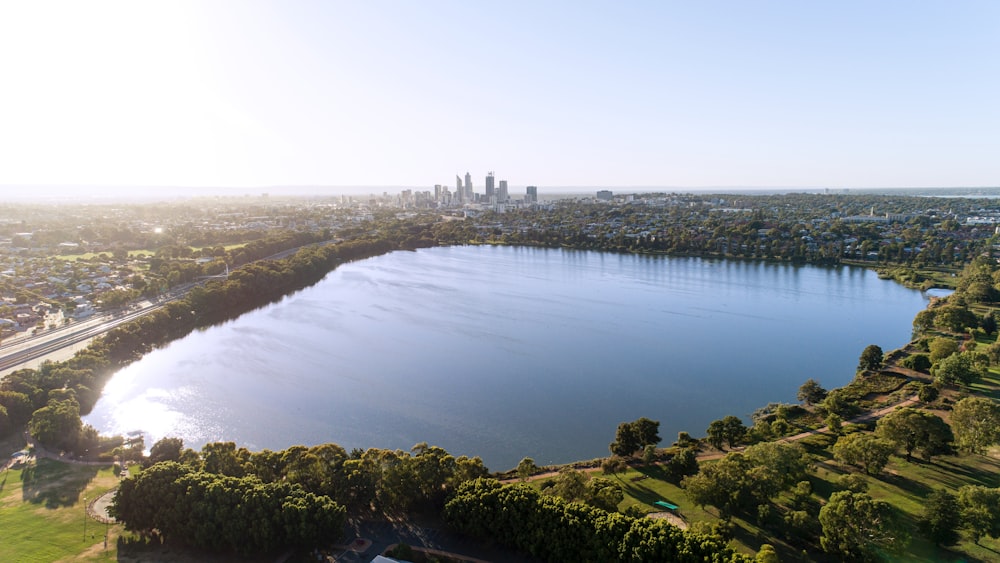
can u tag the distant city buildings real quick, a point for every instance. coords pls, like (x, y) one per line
(496, 198)
(605, 195)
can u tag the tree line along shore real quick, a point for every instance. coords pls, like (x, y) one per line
(760, 487)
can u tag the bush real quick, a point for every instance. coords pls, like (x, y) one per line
(928, 393)
(917, 362)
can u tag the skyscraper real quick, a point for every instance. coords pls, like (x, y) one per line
(502, 197)
(468, 187)
(459, 192)
(532, 195)
(489, 187)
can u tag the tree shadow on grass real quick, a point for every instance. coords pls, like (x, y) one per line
(985, 477)
(55, 485)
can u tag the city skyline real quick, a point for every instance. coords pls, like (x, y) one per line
(671, 95)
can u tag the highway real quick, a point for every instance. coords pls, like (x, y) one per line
(23, 350)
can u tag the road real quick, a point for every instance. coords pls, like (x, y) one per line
(20, 352)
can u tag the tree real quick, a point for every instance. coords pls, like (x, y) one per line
(954, 318)
(741, 481)
(928, 393)
(989, 323)
(859, 528)
(978, 506)
(811, 392)
(634, 436)
(626, 441)
(767, 554)
(941, 518)
(835, 423)
(916, 362)
(648, 431)
(604, 493)
(871, 358)
(864, 450)
(965, 368)
(525, 468)
(57, 425)
(910, 429)
(942, 347)
(166, 449)
(976, 424)
(730, 429)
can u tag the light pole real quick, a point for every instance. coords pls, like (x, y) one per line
(84, 519)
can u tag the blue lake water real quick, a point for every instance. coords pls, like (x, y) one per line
(510, 352)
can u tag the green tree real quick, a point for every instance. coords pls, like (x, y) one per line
(859, 528)
(166, 449)
(835, 423)
(941, 517)
(954, 318)
(928, 393)
(978, 506)
(811, 392)
(965, 368)
(916, 362)
(864, 450)
(910, 429)
(767, 554)
(634, 436)
(57, 425)
(730, 429)
(976, 424)
(526, 468)
(988, 323)
(871, 358)
(626, 440)
(604, 493)
(942, 347)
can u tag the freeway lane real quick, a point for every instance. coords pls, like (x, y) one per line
(17, 353)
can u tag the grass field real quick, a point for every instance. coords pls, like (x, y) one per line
(42, 513)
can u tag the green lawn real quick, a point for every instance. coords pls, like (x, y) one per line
(42, 513)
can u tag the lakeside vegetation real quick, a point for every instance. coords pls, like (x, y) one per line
(738, 496)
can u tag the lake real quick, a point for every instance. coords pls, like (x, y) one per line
(507, 352)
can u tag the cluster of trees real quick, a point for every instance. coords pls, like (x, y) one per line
(973, 509)
(727, 430)
(554, 530)
(574, 486)
(219, 512)
(634, 436)
(860, 528)
(905, 429)
(361, 480)
(742, 481)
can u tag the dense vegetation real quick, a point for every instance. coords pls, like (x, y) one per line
(219, 512)
(554, 530)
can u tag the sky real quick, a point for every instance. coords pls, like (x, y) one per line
(249, 93)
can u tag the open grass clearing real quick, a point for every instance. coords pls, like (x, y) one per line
(43, 512)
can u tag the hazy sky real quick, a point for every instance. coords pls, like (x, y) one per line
(410, 93)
